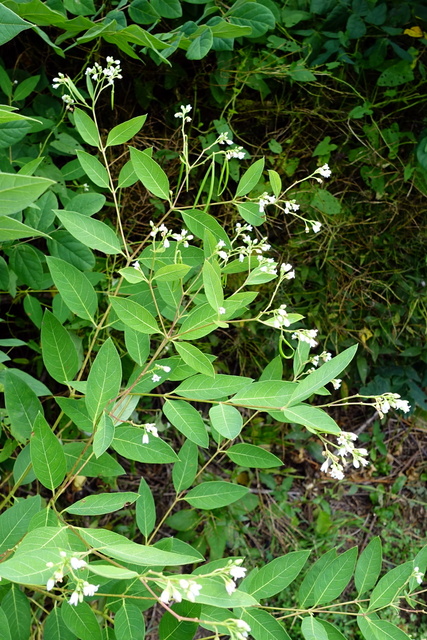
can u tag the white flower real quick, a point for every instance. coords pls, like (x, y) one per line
(324, 171)
(170, 593)
(230, 586)
(223, 255)
(191, 589)
(291, 206)
(237, 572)
(165, 369)
(418, 575)
(221, 311)
(166, 243)
(155, 378)
(237, 152)
(326, 356)
(67, 99)
(316, 226)
(151, 428)
(136, 265)
(74, 599)
(306, 335)
(145, 438)
(89, 589)
(50, 584)
(390, 400)
(337, 471)
(220, 244)
(336, 383)
(77, 563)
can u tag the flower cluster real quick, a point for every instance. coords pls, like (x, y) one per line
(224, 139)
(418, 575)
(325, 356)
(237, 152)
(165, 233)
(177, 590)
(388, 401)
(109, 73)
(287, 271)
(82, 588)
(238, 629)
(334, 464)
(265, 200)
(183, 113)
(281, 317)
(233, 571)
(149, 427)
(290, 206)
(324, 171)
(306, 335)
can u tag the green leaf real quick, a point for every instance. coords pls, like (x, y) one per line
(105, 466)
(331, 630)
(18, 191)
(129, 622)
(275, 182)
(396, 74)
(187, 420)
(128, 443)
(215, 494)
(14, 521)
(11, 25)
(94, 170)
(81, 620)
(199, 323)
(63, 245)
(250, 178)
(312, 629)
(212, 284)
(171, 272)
(325, 202)
(90, 232)
(201, 45)
(4, 627)
(118, 547)
(134, 315)
(254, 15)
(74, 287)
(185, 469)
(105, 376)
(390, 586)
(322, 376)
(269, 394)
(55, 628)
(86, 127)
(104, 435)
(249, 455)
(214, 593)
(195, 358)
(125, 131)
(47, 455)
(335, 577)
(15, 604)
(150, 173)
(26, 262)
(145, 509)
(138, 345)
(171, 628)
(11, 229)
(22, 406)
(306, 590)
(368, 566)
(199, 222)
(167, 8)
(227, 420)
(263, 625)
(250, 212)
(275, 576)
(58, 349)
(312, 418)
(101, 503)
(202, 387)
(383, 630)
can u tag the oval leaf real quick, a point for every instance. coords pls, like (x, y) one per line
(249, 455)
(215, 494)
(102, 503)
(90, 232)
